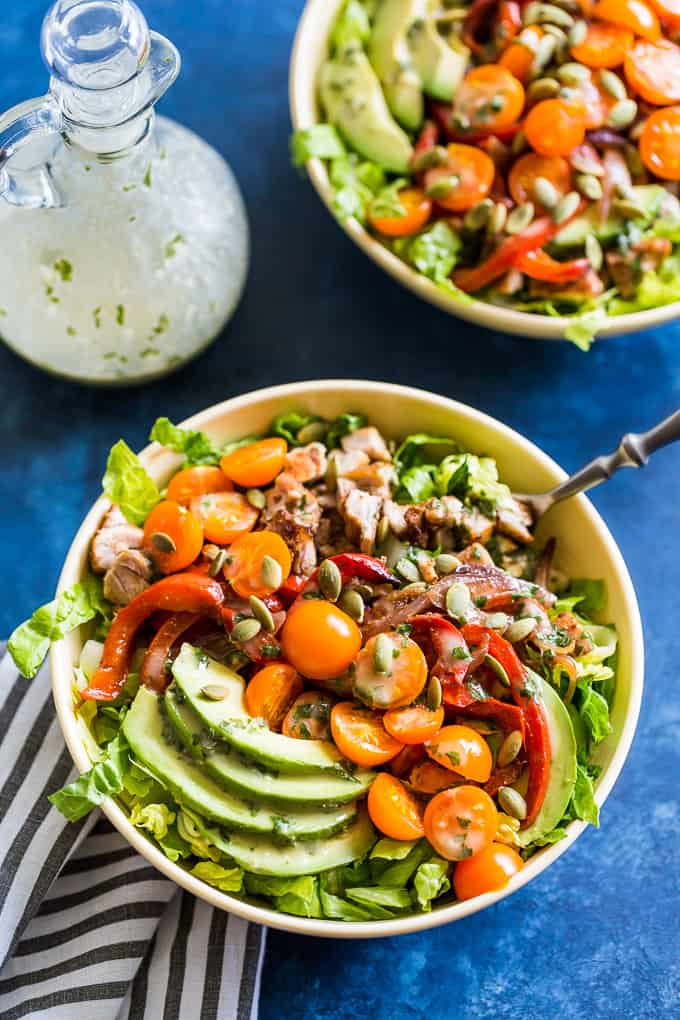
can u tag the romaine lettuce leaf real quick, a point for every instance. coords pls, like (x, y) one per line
(224, 879)
(195, 445)
(392, 849)
(289, 424)
(338, 909)
(320, 141)
(127, 483)
(355, 183)
(583, 329)
(380, 896)
(589, 594)
(431, 880)
(342, 426)
(583, 799)
(417, 484)
(434, 252)
(105, 779)
(299, 896)
(421, 448)
(155, 818)
(594, 712)
(400, 873)
(656, 288)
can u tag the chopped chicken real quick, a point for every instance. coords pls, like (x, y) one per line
(369, 441)
(294, 513)
(128, 576)
(515, 521)
(361, 512)
(475, 526)
(476, 553)
(115, 535)
(377, 478)
(341, 463)
(307, 463)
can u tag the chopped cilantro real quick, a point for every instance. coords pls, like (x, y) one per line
(460, 653)
(97, 316)
(453, 757)
(463, 822)
(147, 177)
(480, 601)
(70, 330)
(171, 246)
(404, 628)
(65, 270)
(120, 315)
(270, 651)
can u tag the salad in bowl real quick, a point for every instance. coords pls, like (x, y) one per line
(526, 155)
(331, 672)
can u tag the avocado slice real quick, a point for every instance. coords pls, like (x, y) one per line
(562, 765)
(647, 196)
(193, 671)
(144, 728)
(353, 100)
(391, 59)
(261, 856)
(234, 773)
(440, 65)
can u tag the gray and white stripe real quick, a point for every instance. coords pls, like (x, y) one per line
(83, 918)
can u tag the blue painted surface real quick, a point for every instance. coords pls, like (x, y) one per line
(596, 936)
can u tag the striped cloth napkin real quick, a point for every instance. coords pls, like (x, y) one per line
(84, 920)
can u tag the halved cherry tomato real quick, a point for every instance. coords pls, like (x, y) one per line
(194, 481)
(272, 691)
(413, 724)
(243, 567)
(460, 822)
(474, 171)
(595, 101)
(417, 209)
(633, 14)
(605, 45)
(653, 71)
(527, 168)
(490, 99)
(660, 143)
(488, 871)
(170, 521)
(538, 265)
(309, 717)
(319, 639)
(393, 809)
(404, 680)
(518, 58)
(667, 10)
(225, 515)
(409, 756)
(555, 126)
(462, 750)
(360, 736)
(426, 777)
(256, 464)
(508, 22)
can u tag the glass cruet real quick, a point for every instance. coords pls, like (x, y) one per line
(124, 238)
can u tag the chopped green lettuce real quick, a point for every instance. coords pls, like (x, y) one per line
(337, 909)
(656, 288)
(173, 846)
(472, 478)
(417, 484)
(435, 251)
(342, 426)
(155, 818)
(195, 445)
(392, 849)
(400, 873)
(224, 879)
(380, 896)
(289, 424)
(356, 182)
(583, 799)
(386, 204)
(321, 141)
(589, 594)
(105, 779)
(299, 896)
(127, 483)
(431, 880)
(419, 448)
(594, 712)
(196, 832)
(583, 329)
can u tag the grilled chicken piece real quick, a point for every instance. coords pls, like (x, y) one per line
(294, 513)
(377, 478)
(340, 463)
(115, 535)
(515, 521)
(476, 554)
(127, 577)
(369, 441)
(361, 513)
(307, 463)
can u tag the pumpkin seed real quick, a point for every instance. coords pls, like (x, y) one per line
(612, 84)
(408, 570)
(433, 698)
(443, 187)
(577, 33)
(528, 40)
(594, 252)
(477, 217)
(558, 34)
(512, 802)
(331, 477)
(636, 131)
(631, 155)
(262, 614)
(497, 218)
(215, 692)
(573, 73)
(217, 563)
(546, 193)
(245, 630)
(330, 580)
(382, 654)
(458, 600)
(364, 590)
(552, 15)
(445, 563)
(509, 749)
(430, 158)
(543, 88)
(623, 113)
(256, 498)
(520, 218)
(498, 669)
(566, 207)
(519, 144)
(312, 432)
(352, 603)
(382, 531)
(460, 122)
(497, 621)
(271, 573)
(163, 542)
(584, 163)
(519, 630)
(589, 186)
(545, 51)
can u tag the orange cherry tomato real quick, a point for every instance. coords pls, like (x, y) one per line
(360, 736)
(410, 755)
(256, 464)
(490, 98)
(393, 809)
(426, 777)
(488, 871)
(518, 58)
(402, 683)
(309, 717)
(460, 822)
(653, 71)
(605, 45)
(595, 101)
(271, 692)
(243, 568)
(660, 143)
(463, 750)
(667, 10)
(194, 481)
(319, 639)
(417, 209)
(413, 724)
(169, 520)
(474, 171)
(633, 14)
(555, 126)
(527, 168)
(225, 515)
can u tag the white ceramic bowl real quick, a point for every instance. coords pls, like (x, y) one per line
(309, 52)
(585, 546)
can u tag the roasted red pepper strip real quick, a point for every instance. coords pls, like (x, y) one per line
(291, 588)
(152, 673)
(367, 568)
(536, 235)
(540, 266)
(508, 23)
(447, 656)
(180, 593)
(537, 740)
(509, 717)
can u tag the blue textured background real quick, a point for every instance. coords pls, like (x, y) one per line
(597, 936)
